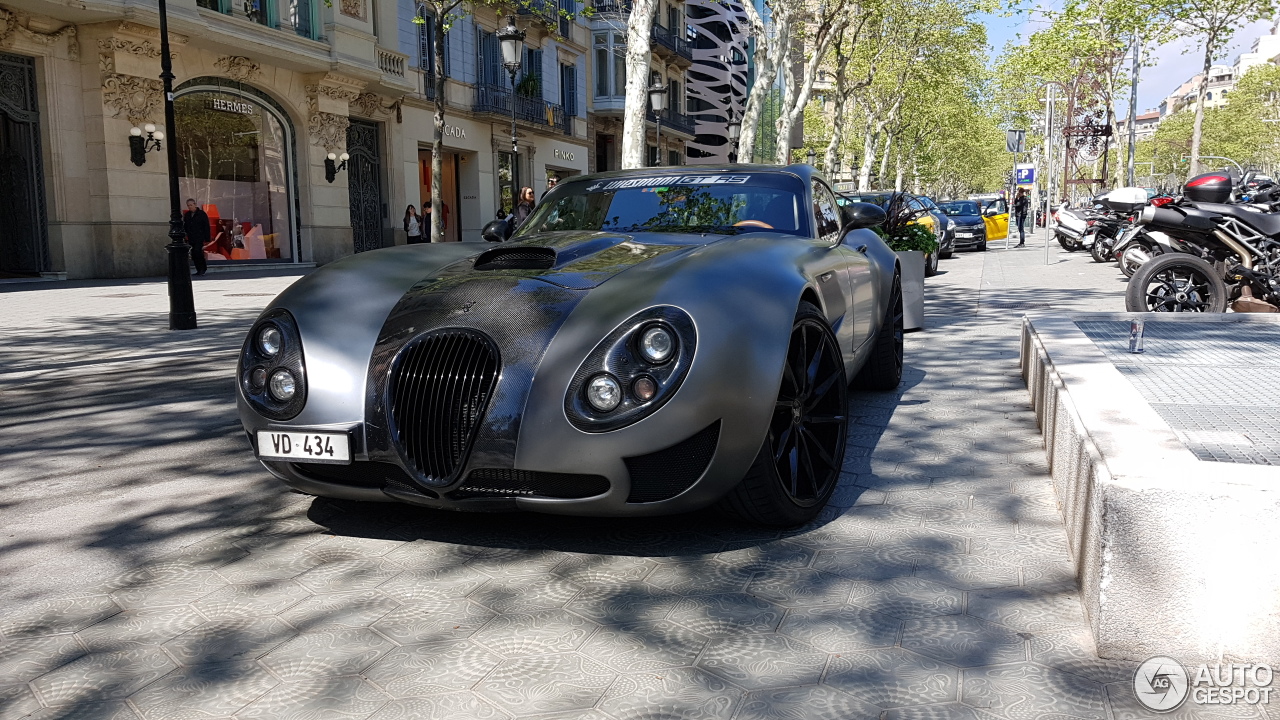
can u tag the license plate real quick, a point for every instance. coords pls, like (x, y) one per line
(295, 445)
(964, 234)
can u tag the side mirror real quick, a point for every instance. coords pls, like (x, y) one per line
(990, 212)
(862, 215)
(496, 231)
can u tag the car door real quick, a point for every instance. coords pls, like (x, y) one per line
(851, 272)
(997, 224)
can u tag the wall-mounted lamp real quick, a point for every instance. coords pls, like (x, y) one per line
(139, 146)
(331, 169)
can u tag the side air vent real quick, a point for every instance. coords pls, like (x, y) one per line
(666, 473)
(440, 387)
(525, 483)
(516, 258)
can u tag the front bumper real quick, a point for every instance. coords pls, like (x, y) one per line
(970, 239)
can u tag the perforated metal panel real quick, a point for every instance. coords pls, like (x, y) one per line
(1217, 385)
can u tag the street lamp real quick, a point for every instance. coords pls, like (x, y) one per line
(735, 132)
(182, 304)
(658, 99)
(835, 169)
(512, 41)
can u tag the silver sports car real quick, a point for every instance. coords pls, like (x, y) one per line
(649, 342)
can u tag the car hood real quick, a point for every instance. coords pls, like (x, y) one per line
(575, 260)
(966, 219)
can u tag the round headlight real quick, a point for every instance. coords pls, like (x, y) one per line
(270, 340)
(951, 224)
(258, 377)
(282, 385)
(604, 393)
(644, 388)
(657, 344)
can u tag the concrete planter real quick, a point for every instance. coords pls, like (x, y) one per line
(912, 262)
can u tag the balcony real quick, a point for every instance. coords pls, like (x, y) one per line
(533, 111)
(675, 122)
(612, 7)
(288, 15)
(546, 10)
(671, 41)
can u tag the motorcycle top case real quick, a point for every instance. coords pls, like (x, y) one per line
(1124, 200)
(1214, 187)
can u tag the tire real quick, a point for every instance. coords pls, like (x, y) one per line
(1176, 282)
(931, 265)
(1098, 252)
(883, 369)
(946, 255)
(1068, 244)
(982, 246)
(798, 464)
(1129, 266)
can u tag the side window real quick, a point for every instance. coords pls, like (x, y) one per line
(1002, 206)
(825, 213)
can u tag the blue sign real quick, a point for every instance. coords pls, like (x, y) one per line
(1026, 176)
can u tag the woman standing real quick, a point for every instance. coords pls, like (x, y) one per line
(525, 208)
(413, 225)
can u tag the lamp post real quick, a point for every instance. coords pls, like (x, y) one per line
(182, 304)
(658, 99)
(512, 41)
(735, 132)
(1133, 107)
(835, 169)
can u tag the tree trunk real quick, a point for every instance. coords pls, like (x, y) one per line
(1210, 45)
(837, 110)
(868, 157)
(884, 156)
(898, 175)
(437, 131)
(766, 73)
(798, 93)
(636, 101)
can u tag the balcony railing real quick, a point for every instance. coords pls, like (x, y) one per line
(671, 41)
(536, 111)
(295, 15)
(548, 10)
(391, 62)
(673, 120)
(620, 7)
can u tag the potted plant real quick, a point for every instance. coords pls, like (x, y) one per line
(912, 242)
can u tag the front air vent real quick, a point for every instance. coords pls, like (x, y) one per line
(440, 387)
(516, 258)
(666, 473)
(525, 483)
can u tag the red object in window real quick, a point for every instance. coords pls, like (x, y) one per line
(1206, 179)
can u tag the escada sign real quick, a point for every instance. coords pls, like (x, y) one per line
(454, 131)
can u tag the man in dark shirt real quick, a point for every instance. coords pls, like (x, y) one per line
(196, 224)
(1020, 205)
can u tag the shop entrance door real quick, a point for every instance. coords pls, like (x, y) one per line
(364, 181)
(24, 245)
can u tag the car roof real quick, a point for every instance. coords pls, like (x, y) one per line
(800, 170)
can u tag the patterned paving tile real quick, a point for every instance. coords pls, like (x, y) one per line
(1072, 650)
(433, 584)
(101, 677)
(966, 572)
(866, 563)
(893, 677)
(229, 639)
(258, 600)
(943, 711)
(677, 694)
(268, 566)
(817, 702)
(348, 573)
(433, 621)
(525, 592)
(352, 609)
(841, 629)
(530, 633)
(764, 661)
(1039, 546)
(907, 597)
(546, 683)
(203, 691)
(727, 614)
(326, 698)
(963, 641)
(1026, 691)
(505, 562)
(341, 651)
(118, 710)
(799, 588)
(769, 556)
(699, 577)
(148, 626)
(17, 700)
(432, 668)
(604, 569)
(644, 646)
(50, 617)
(450, 706)
(1125, 706)
(168, 590)
(28, 658)
(633, 603)
(1028, 609)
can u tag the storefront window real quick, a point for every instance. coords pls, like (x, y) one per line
(508, 181)
(234, 160)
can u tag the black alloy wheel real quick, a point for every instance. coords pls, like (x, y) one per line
(1100, 250)
(798, 465)
(1176, 283)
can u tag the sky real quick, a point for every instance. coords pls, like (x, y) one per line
(1169, 66)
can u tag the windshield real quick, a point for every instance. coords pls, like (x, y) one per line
(960, 207)
(881, 199)
(679, 203)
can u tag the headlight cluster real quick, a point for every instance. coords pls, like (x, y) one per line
(272, 374)
(633, 371)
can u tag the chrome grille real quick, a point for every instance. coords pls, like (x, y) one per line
(440, 387)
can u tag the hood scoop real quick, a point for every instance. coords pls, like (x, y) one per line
(516, 258)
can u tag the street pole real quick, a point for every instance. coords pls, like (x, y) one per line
(182, 304)
(1133, 106)
(1048, 167)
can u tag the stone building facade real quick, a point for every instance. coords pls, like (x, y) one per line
(265, 90)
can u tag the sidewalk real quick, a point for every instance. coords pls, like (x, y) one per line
(937, 584)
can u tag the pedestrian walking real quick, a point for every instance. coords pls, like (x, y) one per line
(195, 223)
(525, 208)
(1020, 205)
(552, 180)
(424, 219)
(413, 224)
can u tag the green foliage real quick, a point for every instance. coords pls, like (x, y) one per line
(912, 237)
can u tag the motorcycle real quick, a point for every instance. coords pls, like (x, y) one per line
(1230, 251)
(1070, 227)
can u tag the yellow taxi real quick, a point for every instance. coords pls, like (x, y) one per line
(995, 215)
